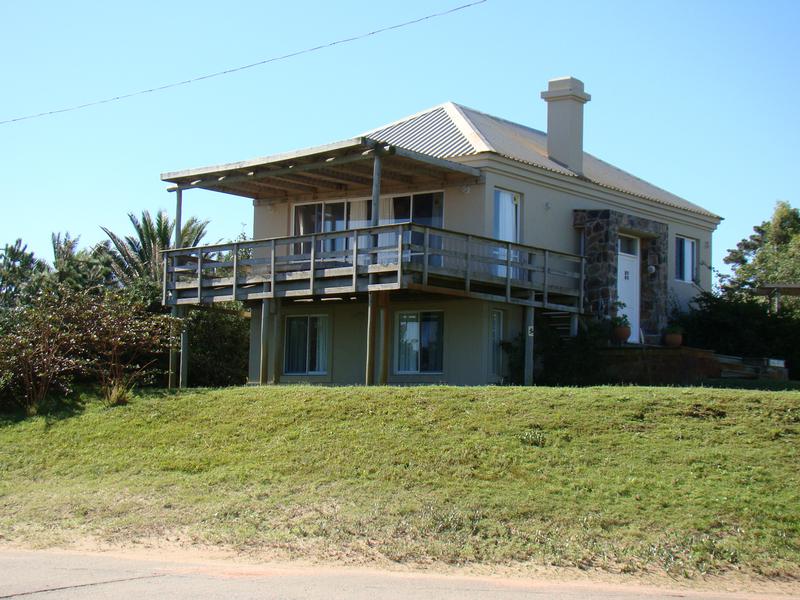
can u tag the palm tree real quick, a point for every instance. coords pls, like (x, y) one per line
(137, 257)
(78, 268)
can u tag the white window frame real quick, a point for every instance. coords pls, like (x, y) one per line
(396, 361)
(285, 344)
(347, 202)
(689, 261)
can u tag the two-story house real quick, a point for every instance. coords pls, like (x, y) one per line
(409, 253)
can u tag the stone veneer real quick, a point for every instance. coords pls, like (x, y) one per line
(601, 229)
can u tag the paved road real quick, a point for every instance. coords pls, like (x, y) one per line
(54, 575)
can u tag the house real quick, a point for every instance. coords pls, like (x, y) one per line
(409, 253)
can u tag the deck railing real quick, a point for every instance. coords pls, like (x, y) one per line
(385, 257)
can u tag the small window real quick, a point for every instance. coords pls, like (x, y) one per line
(420, 342)
(496, 339)
(685, 259)
(306, 347)
(628, 245)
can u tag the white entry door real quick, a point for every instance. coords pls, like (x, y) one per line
(628, 286)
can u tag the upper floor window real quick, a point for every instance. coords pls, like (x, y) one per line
(423, 209)
(685, 259)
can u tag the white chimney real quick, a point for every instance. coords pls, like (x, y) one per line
(565, 99)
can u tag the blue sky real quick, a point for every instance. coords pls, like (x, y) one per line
(697, 97)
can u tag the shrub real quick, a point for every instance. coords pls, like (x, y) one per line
(742, 326)
(219, 342)
(123, 341)
(41, 346)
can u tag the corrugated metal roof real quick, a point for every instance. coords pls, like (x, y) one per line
(451, 131)
(431, 132)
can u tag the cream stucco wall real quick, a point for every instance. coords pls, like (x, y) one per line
(467, 351)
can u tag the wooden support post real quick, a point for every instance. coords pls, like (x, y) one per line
(372, 318)
(184, 370)
(172, 381)
(573, 325)
(386, 337)
(263, 363)
(376, 189)
(277, 343)
(174, 358)
(582, 287)
(528, 330)
(178, 225)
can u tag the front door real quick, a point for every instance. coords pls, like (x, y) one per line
(628, 288)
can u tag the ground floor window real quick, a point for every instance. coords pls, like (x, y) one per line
(306, 345)
(685, 259)
(420, 342)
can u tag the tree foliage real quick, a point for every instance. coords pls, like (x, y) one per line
(137, 257)
(21, 274)
(770, 255)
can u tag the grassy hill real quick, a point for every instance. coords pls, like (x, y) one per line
(687, 480)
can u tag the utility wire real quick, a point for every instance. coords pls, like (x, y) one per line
(243, 67)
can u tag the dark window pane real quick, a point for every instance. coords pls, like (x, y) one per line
(313, 337)
(334, 221)
(307, 220)
(402, 209)
(296, 344)
(431, 342)
(428, 209)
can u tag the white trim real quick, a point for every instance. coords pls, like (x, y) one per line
(693, 267)
(396, 341)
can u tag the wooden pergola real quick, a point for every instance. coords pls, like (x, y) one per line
(353, 168)
(775, 291)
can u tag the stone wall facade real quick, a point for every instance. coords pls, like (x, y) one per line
(601, 230)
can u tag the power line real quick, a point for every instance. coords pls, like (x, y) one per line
(243, 67)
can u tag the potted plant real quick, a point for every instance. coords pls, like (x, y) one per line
(620, 324)
(673, 335)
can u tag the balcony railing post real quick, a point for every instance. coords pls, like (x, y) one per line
(164, 282)
(272, 268)
(508, 271)
(400, 253)
(199, 276)
(235, 270)
(355, 261)
(313, 264)
(468, 274)
(425, 249)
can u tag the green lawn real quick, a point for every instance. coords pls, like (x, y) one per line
(684, 479)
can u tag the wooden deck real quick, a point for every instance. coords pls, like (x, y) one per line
(387, 257)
